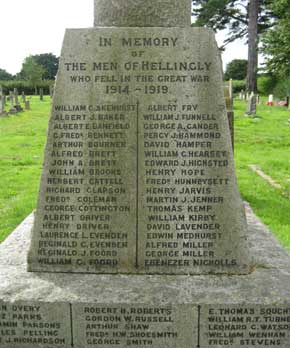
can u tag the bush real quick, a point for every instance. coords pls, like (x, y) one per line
(236, 69)
(282, 89)
(266, 84)
(238, 85)
(25, 86)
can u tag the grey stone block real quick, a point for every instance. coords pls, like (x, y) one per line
(46, 310)
(142, 13)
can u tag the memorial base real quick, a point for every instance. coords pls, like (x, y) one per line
(77, 310)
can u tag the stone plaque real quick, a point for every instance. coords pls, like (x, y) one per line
(134, 326)
(34, 324)
(245, 326)
(84, 325)
(138, 174)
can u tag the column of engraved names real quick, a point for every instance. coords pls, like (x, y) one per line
(107, 326)
(34, 325)
(180, 198)
(246, 326)
(86, 186)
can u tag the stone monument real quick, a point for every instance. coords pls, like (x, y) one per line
(139, 174)
(139, 190)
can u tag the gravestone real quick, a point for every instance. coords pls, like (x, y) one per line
(2, 103)
(27, 105)
(139, 174)
(17, 105)
(41, 94)
(228, 92)
(41, 310)
(242, 95)
(252, 105)
(23, 97)
(270, 100)
(12, 109)
(51, 91)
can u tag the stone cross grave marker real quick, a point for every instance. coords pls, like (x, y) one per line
(139, 174)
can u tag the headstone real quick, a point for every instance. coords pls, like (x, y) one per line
(139, 174)
(51, 91)
(2, 103)
(252, 105)
(139, 129)
(230, 109)
(41, 94)
(23, 97)
(17, 105)
(242, 95)
(2, 106)
(231, 89)
(258, 99)
(15, 92)
(270, 100)
(287, 101)
(27, 105)
(12, 109)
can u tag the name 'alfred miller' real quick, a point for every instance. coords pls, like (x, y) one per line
(149, 41)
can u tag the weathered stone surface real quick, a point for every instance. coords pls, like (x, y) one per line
(139, 174)
(142, 13)
(179, 311)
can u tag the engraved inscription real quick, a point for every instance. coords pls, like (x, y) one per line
(139, 173)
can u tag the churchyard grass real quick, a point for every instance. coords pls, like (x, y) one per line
(21, 150)
(263, 141)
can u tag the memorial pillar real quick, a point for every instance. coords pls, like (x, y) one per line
(139, 174)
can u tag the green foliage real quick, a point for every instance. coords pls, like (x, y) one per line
(49, 62)
(239, 85)
(231, 15)
(276, 42)
(282, 88)
(266, 84)
(5, 76)
(25, 86)
(236, 69)
(32, 71)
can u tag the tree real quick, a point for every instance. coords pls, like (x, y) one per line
(32, 71)
(50, 63)
(236, 69)
(276, 42)
(241, 20)
(253, 41)
(5, 76)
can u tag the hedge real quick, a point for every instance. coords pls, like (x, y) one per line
(25, 86)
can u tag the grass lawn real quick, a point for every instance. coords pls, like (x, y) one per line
(263, 141)
(21, 149)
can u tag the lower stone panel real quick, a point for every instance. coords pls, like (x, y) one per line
(46, 310)
(84, 325)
